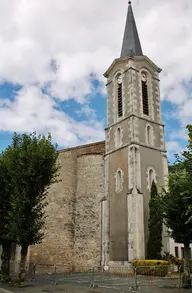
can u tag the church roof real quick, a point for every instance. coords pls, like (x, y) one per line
(93, 148)
(131, 43)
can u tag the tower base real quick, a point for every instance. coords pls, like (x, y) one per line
(136, 240)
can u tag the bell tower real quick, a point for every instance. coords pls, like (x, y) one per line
(135, 148)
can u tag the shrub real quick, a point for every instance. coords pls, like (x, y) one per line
(4, 279)
(180, 263)
(151, 267)
(169, 257)
(155, 226)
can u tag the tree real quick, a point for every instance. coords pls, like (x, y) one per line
(155, 226)
(6, 238)
(186, 160)
(176, 203)
(175, 207)
(31, 163)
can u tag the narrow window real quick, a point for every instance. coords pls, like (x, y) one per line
(118, 137)
(176, 251)
(151, 177)
(145, 94)
(118, 180)
(119, 96)
(149, 135)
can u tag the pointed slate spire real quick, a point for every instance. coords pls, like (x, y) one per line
(131, 43)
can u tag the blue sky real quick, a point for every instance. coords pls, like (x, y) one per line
(97, 104)
(65, 50)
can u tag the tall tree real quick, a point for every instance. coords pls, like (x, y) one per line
(31, 163)
(175, 206)
(155, 226)
(186, 160)
(176, 203)
(6, 238)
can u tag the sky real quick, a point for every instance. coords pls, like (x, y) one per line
(53, 54)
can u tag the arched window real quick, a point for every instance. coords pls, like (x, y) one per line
(118, 181)
(149, 134)
(119, 96)
(118, 137)
(145, 93)
(151, 176)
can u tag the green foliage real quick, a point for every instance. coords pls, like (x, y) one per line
(28, 167)
(169, 257)
(4, 279)
(31, 164)
(180, 263)
(149, 262)
(154, 244)
(177, 165)
(176, 204)
(5, 202)
(19, 284)
(6, 238)
(151, 267)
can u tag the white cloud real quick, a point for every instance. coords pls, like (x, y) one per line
(186, 111)
(173, 147)
(180, 134)
(178, 94)
(87, 112)
(31, 110)
(84, 37)
(184, 115)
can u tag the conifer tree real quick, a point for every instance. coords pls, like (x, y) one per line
(155, 226)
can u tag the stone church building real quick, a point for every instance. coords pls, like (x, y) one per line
(98, 212)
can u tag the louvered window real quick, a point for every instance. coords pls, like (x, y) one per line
(120, 102)
(145, 98)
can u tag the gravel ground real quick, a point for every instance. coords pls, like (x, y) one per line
(105, 284)
(75, 288)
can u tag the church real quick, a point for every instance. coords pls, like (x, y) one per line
(98, 212)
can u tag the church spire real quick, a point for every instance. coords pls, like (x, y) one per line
(131, 43)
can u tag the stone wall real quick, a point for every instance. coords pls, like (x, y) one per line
(58, 245)
(90, 191)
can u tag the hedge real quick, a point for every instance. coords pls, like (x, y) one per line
(151, 267)
(180, 263)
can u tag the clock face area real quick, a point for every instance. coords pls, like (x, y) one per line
(143, 76)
